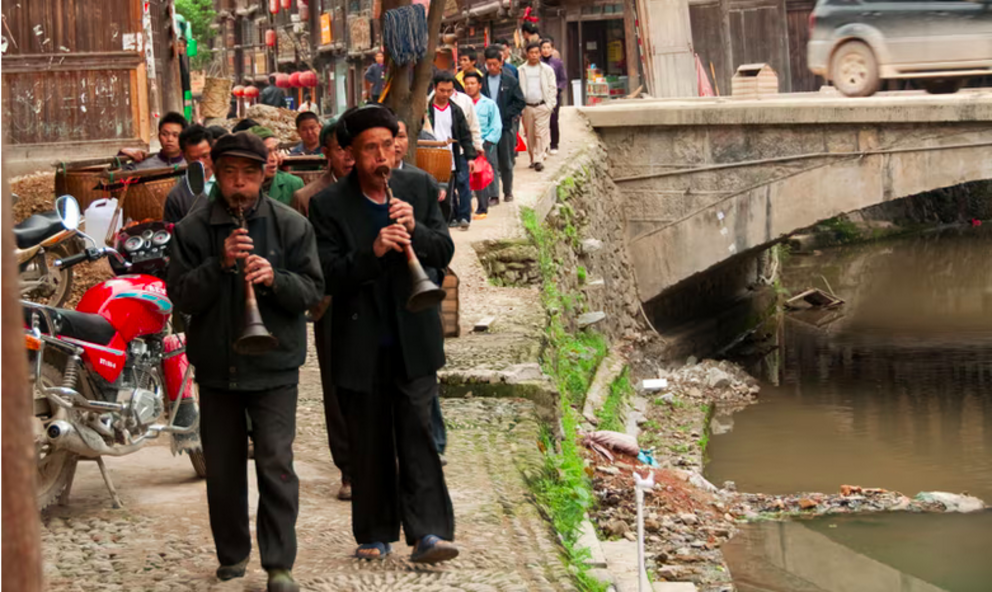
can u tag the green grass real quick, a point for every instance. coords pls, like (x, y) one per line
(564, 489)
(580, 273)
(610, 415)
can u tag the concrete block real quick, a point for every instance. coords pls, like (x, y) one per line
(589, 540)
(621, 560)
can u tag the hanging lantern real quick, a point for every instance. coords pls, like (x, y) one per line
(308, 79)
(270, 38)
(251, 91)
(274, 6)
(238, 91)
(294, 80)
(282, 80)
(286, 4)
(303, 7)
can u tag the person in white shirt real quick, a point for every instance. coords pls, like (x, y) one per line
(468, 109)
(538, 84)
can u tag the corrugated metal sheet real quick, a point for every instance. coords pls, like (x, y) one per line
(72, 71)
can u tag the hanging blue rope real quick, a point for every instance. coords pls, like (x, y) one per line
(405, 33)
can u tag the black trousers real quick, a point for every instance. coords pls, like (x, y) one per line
(555, 130)
(224, 432)
(337, 430)
(506, 157)
(388, 427)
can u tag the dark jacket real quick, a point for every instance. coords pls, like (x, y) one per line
(459, 132)
(561, 79)
(370, 293)
(180, 200)
(215, 298)
(273, 96)
(510, 100)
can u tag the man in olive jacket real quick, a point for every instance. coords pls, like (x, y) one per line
(212, 259)
(385, 358)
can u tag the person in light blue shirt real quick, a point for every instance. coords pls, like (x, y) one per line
(491, 125)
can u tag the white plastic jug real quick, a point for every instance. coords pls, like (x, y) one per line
(97, 219)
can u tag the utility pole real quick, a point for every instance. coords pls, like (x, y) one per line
(21, 564)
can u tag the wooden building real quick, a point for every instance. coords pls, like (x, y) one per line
(84, 78)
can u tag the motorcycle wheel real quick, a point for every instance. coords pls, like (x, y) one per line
(63, 279)
(199, 463)
(55, 467)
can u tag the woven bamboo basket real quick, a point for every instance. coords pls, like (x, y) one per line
(436, 161)
(81, 183)
(144, 200)
(216, 101)
(450, 321)
(308, 168)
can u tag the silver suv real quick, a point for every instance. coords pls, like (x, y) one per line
(858, 43)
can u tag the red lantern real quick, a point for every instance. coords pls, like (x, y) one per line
(251, 91)
(274, 6)
(270, 38)
(282, 80)
(308, 79)
(303, 7)
(238, 91)
(294, 80)
(286, 4)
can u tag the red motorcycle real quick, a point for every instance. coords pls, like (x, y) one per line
(109, 377)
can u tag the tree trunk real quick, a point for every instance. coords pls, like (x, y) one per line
(409, 101)
(21, 531)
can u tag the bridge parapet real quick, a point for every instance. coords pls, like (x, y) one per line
(708, 179)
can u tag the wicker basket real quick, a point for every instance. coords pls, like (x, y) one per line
(449, 306)
(81, 183)
(436, 161)
(216, 101)
(308, 168)
(145, 200)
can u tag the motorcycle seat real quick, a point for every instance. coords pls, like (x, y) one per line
(83, 326)
(36, 228)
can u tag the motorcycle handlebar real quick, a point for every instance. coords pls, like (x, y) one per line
(90, 254)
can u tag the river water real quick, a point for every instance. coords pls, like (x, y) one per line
(892, 390)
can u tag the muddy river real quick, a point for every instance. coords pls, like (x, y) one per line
(893, 389)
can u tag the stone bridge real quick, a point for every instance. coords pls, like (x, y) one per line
(705, 180)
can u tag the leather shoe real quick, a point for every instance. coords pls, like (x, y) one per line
(229, 572)
(508, 198)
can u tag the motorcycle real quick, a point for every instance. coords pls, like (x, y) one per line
(105, 373)
(41, 240)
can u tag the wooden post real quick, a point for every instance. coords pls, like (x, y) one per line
(630, 45)
(21, 525)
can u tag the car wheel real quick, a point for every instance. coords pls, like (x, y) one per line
(854, 70)
(943, 86)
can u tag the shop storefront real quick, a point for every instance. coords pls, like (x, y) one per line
(597, 45)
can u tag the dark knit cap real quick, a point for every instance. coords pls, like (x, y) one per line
(243, 145)
(356, 120)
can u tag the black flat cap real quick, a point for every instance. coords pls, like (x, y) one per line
(243, 145)
(356, 120)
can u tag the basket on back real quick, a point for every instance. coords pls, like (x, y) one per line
(216, 101)
(80, 178)
(436, 161)
(308, 168)
(143, 192)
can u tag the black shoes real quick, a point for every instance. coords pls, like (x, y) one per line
(539, 166)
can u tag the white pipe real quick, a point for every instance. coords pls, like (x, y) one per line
(640, 486)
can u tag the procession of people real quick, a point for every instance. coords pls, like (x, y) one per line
(334, 253)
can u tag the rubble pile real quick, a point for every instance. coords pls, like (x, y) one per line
(35, 193)
(711, 381)
(282, 122)
(851, 498)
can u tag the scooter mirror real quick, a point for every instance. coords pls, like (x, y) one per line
(68, 210)
(195, 177)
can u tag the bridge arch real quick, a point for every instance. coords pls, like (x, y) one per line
(708, 180)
